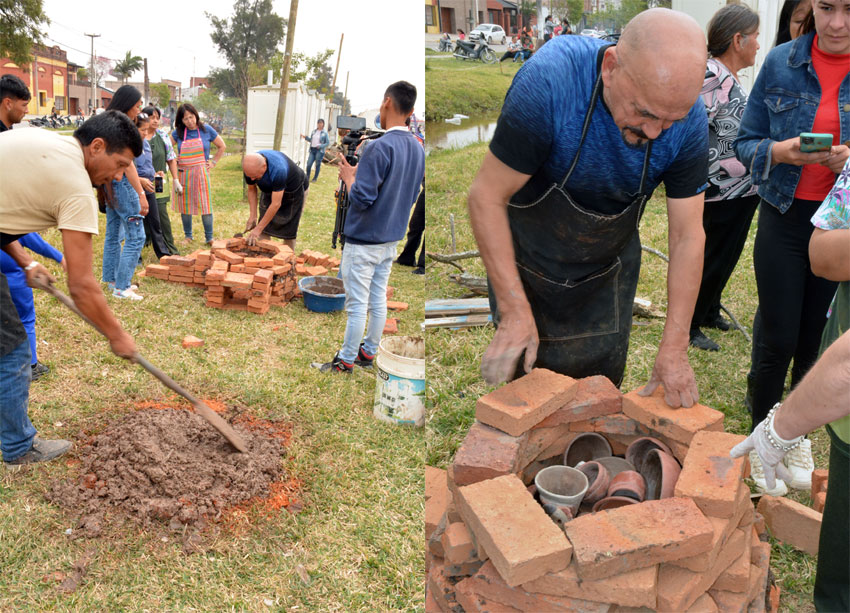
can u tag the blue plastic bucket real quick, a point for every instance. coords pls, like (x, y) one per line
(322, 301)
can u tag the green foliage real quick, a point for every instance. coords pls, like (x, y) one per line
(618, 16)
(219, 109)
(574, 9)
(248, 40)
(456, 86)
(21, 23)
(314, 71)
(82, 74)
(160, 94)
(124, 68)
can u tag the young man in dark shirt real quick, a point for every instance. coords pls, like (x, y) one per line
(14, 99)
(382, 189)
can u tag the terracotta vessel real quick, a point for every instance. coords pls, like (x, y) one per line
(615, 465)
(586, 447)
(598, 479)
(562, 486)
(612, 502)
(661, 471)
(628, 483)
(636, 452)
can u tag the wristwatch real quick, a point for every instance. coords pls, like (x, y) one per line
(31, 265)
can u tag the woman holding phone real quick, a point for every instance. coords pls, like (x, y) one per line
(803, 87)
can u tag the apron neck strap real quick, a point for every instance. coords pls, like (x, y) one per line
(185, 131)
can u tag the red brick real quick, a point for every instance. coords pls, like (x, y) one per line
(710, 476)
(620, 442)
(156, 269)
(236, 242)
(264, 276)
(546, 442)
(820, 477)
(221, 265)
(729, 601)
(758, 523)
(736, 578)
(678, 424)
(635, 588)
(239, 268)
(237, 280)
(457, 544)
(390, 289)
(435, 481)
(192, 341)
(521, 404)
(520, 539)
(177, 260)
(619, 540)
(819, 501)
(594, 396)
(391, 326)
(773, 599)
(459, 571)
(489, 584)
(678, 588)
(486, 453)
(474, 603)
(301, 269)
(704, 604)
(791, 522)
(441, 587)
(218, 245)
(616, 423)
(230, 257)
(760, 556)
(397, 306)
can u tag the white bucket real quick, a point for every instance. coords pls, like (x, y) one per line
(400, 381)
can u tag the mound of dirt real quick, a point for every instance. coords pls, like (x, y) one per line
(167, 465)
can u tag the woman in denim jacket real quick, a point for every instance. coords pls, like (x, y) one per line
(803, 87)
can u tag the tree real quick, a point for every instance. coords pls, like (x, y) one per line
(315, 72)
(575, 8)
(248, 40)
(102, 67)
(160, 94)
(21, 22)
(218, 109)
(82, 74)
(126, 67)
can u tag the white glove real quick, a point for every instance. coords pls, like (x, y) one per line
(769, 454)
(178, 187)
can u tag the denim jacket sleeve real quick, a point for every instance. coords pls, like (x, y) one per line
(324, 142)
(753, 145)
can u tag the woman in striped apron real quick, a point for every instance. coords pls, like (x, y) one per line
(192, 139)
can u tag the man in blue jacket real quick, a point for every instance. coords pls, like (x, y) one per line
(382, 189)
(319, 141)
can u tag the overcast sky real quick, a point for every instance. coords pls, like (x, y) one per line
(383, 38)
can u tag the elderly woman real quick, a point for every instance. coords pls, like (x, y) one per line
(731, 199)
(192, 139)
(799, 89)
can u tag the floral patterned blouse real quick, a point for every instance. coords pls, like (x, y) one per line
(725, 101)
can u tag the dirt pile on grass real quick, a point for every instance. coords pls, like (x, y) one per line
(169, 466)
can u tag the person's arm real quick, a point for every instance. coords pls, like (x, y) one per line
(32, 269)
(219, 151)
(492, 188)
(367, 176)
(829, 254)
(252, 208)
(87, 294)
(687, 246)
(274, 205)
(137, 183)
(172, 166)
(34, 242)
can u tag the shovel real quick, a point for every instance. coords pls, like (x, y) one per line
(203, 410)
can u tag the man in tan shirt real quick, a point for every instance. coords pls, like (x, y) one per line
(46, 181)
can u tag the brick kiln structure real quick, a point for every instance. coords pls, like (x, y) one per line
(492, 547)
(234, 275)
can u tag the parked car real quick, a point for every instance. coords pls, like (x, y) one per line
(591, 33)
(490, 32)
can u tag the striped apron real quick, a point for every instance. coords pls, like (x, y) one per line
(195, 178)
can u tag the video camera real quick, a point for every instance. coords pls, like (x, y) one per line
(357, 134)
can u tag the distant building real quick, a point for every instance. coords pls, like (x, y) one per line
(46, 76)
(79, 93)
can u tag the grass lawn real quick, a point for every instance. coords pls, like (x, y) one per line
(356, 545)
(454, 357)
(465, 86)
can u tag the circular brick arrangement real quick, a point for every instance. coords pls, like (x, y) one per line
(490, 543)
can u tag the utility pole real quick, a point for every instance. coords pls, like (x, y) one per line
(333, 83)
(345, 95)
(147, 84)
(284, 82)
(93, 75)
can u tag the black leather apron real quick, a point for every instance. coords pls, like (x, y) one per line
(581, 292)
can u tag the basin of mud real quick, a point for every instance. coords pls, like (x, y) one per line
(169, 465)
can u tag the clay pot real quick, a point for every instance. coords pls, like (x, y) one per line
(612, 502)
(562, 486)
(628, 483)
(598, 479)
(585, 447)
(559, 515)
(615, 465)
(661, 471)
(636, 452)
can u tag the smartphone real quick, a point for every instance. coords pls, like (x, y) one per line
(157, 184)
(810, 142)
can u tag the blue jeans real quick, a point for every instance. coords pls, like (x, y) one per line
(365, 272)
(23, 299)
(316, 156)
(118, 263)
(207, 220)
(16, 429)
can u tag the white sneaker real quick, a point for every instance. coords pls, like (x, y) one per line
(126, 293)
(757, 475)
(111, 285)
(801, 464)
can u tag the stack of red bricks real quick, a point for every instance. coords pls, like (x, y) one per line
(235, 275)
(315, 264)
(491, 546)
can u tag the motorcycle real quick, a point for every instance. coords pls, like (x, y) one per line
(471, 51)
(445, 45)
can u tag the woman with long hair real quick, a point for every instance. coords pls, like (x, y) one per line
(192, 139)
(164, 159)
(791, 19)
(731, 199)
(803, 86)
(144, 166)
(126, 207)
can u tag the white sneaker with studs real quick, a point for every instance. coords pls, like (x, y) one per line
(757, 475)
(801, 464)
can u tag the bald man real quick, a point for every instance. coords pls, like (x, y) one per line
(587, 132)
(284, 187)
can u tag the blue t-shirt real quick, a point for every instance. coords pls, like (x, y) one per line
(281, 173)
(540, 127)
(207, 136)
(144, 163)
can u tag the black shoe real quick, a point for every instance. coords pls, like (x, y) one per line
(718, 322)
(401, 262)
(363, 359)
(42, 450)
(39, 370)
(701, 341)
(314, 180)
(418, 271)
(337, 365)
